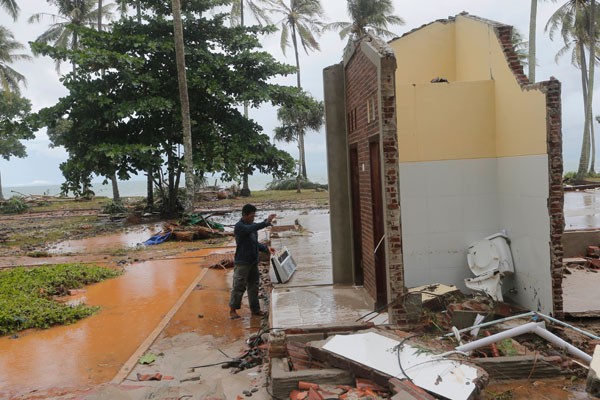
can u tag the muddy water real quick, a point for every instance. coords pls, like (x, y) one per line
(97, 244)
(94, 349)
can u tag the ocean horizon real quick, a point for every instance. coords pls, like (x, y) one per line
(131, 188)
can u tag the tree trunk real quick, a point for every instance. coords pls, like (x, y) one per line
(584, 158)
(99, 15)
(149, 189)
(185, 108)
(245, 188)
(245, 192)
(303, 154)
(115, 187)
(138, 7)
(1, 195)
(532, 38)
(302, 157)
(590, 93)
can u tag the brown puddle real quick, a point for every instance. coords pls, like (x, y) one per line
(94, 349)
(107, 242)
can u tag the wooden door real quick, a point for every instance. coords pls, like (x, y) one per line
(356, 221)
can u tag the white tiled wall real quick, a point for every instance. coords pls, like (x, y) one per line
(447, 205)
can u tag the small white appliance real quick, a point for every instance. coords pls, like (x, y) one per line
(490, 260)
(283, 266)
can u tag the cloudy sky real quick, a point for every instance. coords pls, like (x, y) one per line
(44, 87)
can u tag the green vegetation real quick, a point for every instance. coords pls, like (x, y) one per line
(292, 183)
(114, 207)
(26, 295)
(14, 205)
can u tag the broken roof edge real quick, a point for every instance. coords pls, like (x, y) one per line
(503, 34)
(375, 43)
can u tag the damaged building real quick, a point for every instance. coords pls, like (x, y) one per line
(438, 141)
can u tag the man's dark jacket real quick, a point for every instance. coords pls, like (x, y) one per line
(246, 239)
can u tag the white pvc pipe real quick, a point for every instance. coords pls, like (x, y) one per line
(486, 341)
(532, 327)
(574, 351)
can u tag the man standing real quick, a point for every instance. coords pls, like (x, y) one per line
(245, 274)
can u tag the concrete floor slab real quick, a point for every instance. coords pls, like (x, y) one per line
(580, 291)
(316, 305)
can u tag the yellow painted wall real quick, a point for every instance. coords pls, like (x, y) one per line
(446, 121)
(421, 64)
(466, 50)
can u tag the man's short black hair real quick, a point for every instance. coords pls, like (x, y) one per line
(248, 209)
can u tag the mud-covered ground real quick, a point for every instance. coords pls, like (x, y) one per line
(49, 221)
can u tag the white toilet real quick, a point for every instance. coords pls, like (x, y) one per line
(490, 260)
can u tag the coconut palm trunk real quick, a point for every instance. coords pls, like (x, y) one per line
(590, 87)
(302, 155)
(1, 194)
(185, 107)
(532, 39)
(584, 159)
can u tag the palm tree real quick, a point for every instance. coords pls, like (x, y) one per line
(185, 107)
(304, 113)
(576, 20)
(303, 18)
(9, 78)
(70, 12)
(368, 16)
(10, 6)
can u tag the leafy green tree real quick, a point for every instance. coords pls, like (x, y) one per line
(368, 16)
(303, 20)
(295, 117)
(576, 21)
(131, 113)
(70, 14)
(9, 78)
(14, 128)
(11, 7)
(237, 15)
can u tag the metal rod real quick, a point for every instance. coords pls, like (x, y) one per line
(559, 322)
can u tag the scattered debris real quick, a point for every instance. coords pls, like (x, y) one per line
(149, 377)
(147, 358)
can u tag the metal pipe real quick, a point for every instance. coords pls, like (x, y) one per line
(497, 321)
(559, 322)
(529, 327)
(549, 336)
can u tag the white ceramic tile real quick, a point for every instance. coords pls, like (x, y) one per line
(413, 178)
(481, 212)
(444, 178)
(415, 244)
(479, 176)
(415, 215)
(446, 214)
(416, 270)
(526, 176)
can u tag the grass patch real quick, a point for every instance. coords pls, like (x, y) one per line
(27, 295)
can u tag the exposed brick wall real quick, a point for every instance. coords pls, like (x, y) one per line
(371, 109)
(552, 90)
(391, 185)
(361, 85)
(556, 197)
